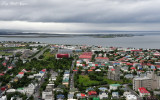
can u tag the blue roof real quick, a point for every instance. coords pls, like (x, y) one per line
(116, 63)
(152, 67)
(139, 65)
(78, 50)
(102, 88)
(41, 72)
(115, 93)
(89, 89)
(60, 96)
(66, 72)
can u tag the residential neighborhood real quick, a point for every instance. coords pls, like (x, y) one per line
(40, 71)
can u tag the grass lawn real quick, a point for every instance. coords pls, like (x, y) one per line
(4, 53)
(86, 81)
(10, 48)
(48, 55)
(112, 81)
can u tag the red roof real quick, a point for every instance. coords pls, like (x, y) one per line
(157, 54)
(149, 64)
(113, 69)
(133, 68)
(10, 67)
(92, 67)
(137, 50)
(21, 73)
(83, 65)
(158, 66)
(75, 70)
(87, 53)
(102, 58)
(43, 70)
(85, 56)
(78, 62)
(4, 64)
(83, 95)
(3, 89)
(96, 64)
(129, 63)
(1, 74)
(62, 55)
(142, 90)
(92, 93)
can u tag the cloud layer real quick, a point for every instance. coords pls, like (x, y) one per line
(79, 14)
(86, 11)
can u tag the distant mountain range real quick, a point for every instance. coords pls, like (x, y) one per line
(103, 34)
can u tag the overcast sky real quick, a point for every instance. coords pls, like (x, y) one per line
(80, 15)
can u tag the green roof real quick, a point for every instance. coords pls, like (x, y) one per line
(65, 80)
(83, 99)
(107, 64)
(115, 84)
(20, 88)
(96, 98)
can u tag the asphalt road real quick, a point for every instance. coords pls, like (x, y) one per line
(40, 53)
(72, 76)
(37, 89)
(133, 92)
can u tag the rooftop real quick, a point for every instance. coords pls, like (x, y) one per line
(142, 90)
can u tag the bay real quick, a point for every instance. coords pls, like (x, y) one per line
(147, 41)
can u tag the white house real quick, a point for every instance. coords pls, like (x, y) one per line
(131, 97)
(125, 94)
(20, 74)
(114, 86)
(3, 98)
(49, 97)
(30, 89)
(10, 91)
(103, 96)
(115, 94)
(45, 93)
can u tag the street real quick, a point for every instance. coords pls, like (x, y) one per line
(133, 92)
(72, 76)
(37, 91)
(40, 53)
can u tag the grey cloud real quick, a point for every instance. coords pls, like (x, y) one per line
(82, 11)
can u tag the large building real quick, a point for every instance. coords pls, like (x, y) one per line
(86, 56)
(62, 56)
(102, 59)
(64, 53)
(151, 81)
(114, 73)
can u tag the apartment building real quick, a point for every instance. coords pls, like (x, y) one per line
(151, 81)
(114, 73)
